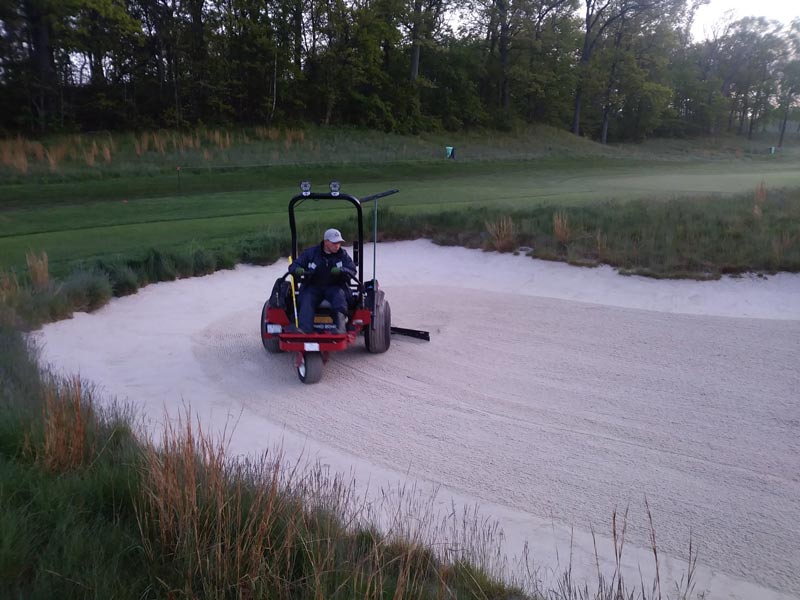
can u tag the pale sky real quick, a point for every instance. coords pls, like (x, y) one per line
(780, 10)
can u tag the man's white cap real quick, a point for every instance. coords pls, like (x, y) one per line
(333, 235)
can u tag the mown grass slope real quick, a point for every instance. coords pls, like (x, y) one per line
(138, 199)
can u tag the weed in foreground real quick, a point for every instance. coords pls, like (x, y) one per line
(67, 417)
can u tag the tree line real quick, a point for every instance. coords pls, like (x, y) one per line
(609, 69)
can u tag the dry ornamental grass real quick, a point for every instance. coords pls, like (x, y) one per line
(503, 234)
(39, 270)
(561, 229)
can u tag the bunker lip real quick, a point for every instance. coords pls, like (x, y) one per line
(585, 391)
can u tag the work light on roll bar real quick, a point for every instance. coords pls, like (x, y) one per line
(305, 188)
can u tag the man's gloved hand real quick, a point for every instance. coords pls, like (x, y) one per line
(299, 271)
(336, 271)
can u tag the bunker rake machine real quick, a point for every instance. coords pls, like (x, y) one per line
(369, 313)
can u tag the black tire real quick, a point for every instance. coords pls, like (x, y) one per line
(378, 340)
(271, 345)
(310, 370)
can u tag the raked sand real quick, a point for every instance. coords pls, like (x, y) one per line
(549, 395)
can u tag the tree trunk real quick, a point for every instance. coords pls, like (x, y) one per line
(505, 93)
(583, 63)
(743, 114)
(754, 115)
(611, 76)
(604, 131)
(297, 18)
(415, 39)
(42, 94)
(576, 115)
(784, 121)
(198, 89)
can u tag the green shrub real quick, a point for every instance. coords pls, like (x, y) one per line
(45, 306)
(87, 290)
(158, 266)
(203, 261)
(225, 258)
(262, 250)
(183, 262)
(123, 279)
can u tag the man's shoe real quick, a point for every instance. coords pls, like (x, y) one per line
(341, 323)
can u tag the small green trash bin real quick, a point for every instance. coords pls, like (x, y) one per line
(450, 152)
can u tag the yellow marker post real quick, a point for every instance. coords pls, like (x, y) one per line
(294, 298)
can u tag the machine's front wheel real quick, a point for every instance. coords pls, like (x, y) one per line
(309, 369)
(378, 340)
(272, 344)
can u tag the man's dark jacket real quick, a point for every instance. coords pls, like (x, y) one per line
(318, 265)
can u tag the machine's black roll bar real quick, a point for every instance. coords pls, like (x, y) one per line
(378, 195)
(347, 198)
(357, 246)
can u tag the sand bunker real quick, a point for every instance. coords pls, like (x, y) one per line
(549, 395)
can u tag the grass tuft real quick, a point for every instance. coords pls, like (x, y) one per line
(502, 234)
(38, 270)
(561, 229)
(87, 290)
(122, 277)
(203, 261)
(66, 418)
(158, 266)
(9, 287)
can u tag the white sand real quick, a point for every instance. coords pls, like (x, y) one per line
(549, 395)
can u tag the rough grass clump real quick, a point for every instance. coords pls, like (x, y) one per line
(203, 261)
(158, 266)
(264, 249)
(67, 476)
(183, 262)
(87, 290)
(68, 416)
(561, 230)
(9, 288)
(225, 258)
(122, 277)
(502, 234)
(36, 307)
(38, 270)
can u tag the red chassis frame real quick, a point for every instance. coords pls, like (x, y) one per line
(324, 343)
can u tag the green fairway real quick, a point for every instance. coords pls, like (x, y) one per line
(81, 229)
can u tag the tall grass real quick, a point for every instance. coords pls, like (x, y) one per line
(502, 234)
(66, 416)
(107, 154)
(36, 298)
(561, 229)
(683, 238)
(38, 270)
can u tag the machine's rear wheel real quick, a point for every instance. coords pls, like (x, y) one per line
(379, 339)
(271, 345)
(310, 368)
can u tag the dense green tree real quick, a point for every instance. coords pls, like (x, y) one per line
(613, 69)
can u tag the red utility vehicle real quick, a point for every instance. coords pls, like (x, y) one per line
(369, 313)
